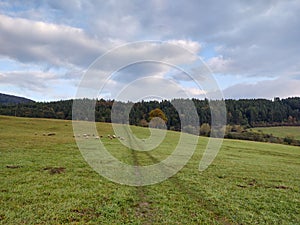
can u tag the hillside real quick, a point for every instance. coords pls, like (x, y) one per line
(11, 99)
(45, 180)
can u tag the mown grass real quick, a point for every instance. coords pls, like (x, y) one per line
(282, 131)
(45, 180)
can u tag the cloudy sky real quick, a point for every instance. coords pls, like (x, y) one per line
(251, 47)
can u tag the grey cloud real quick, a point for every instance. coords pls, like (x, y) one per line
(252, 38)
(140, 59)
(33, 80)
(296, 77)
(148, 87)
(259, 38)
(256, 31)
(264, 89)
(139, 70)
(265, 43)
(39, 42)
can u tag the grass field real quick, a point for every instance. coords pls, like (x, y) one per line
(284, 131)
(45, 180)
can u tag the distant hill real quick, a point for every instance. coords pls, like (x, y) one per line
(11, 99)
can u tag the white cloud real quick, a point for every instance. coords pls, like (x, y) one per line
(135, 61)
(195, 92)
(33, 80)
(147, 88)
(192, 46)
(58, 45)
(219, 65)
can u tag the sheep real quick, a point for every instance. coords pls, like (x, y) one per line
(85, 135)
(110, 137)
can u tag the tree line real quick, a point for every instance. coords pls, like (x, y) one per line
(244, 112)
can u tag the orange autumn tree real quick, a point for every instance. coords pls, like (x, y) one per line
(157, 118)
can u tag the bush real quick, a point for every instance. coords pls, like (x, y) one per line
(289, 139)
(205, 129)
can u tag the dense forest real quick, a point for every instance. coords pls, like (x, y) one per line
(244, 112)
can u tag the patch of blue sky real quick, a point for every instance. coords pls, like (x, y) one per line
(7, 64)
(60, 89)
(10, 65)
(14, 90)
(207, 51)
(225, 81)
(15, 7)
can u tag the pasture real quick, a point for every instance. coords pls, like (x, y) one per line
(45, 180)
(282, 131)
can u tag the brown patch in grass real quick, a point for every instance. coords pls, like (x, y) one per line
(88, 213)
(55, 170)
(252, 182)
(281, 187)
(13, 166)
(2, 217)
(142, 209)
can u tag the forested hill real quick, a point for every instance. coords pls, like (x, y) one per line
(11, 99)
(245, 112)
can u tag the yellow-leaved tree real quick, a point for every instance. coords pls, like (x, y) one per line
(157, 118)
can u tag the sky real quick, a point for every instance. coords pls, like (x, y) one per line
(252, 48)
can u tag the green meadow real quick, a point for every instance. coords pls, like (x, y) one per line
(282, 131)
(45, 180)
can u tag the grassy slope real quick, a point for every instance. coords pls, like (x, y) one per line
(281, 131)
(248, 183)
